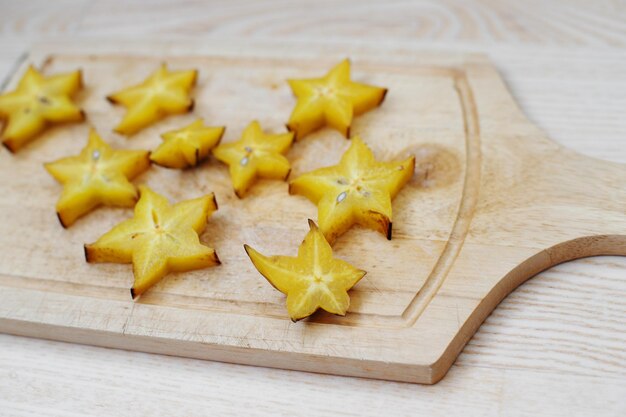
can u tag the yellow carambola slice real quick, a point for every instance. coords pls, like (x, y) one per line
(159, 239)
(256, 154)
(188, 146)
(99, 175)
(163, 93)
(314, 279)
(37, 102)
(332, 100)
(358, 190)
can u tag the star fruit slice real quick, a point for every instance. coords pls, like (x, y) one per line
(312, 280)
(256, 154)
(36, 103)
(332, 100)
(186, 147)
(358, 190)
(99, 175)
(163, 93)
(159, 239)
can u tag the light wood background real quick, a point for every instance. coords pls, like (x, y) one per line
(556, 346)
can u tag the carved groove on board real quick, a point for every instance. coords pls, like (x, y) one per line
(17, 64)
(471, 189)
(422, 295)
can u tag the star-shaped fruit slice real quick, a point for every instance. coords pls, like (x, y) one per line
(332, 100)
(99, 175)
(311, 280)
(256, 154)
(37, 102)
(162, 93)
(159, 239)
(357, 190)
(188, 146)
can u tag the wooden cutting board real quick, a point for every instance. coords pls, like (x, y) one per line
(492, 203)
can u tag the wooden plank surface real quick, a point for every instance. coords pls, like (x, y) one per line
(534, 338)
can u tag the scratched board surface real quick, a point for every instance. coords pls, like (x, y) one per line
(230, 312)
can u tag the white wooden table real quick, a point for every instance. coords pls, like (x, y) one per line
(556, 346)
